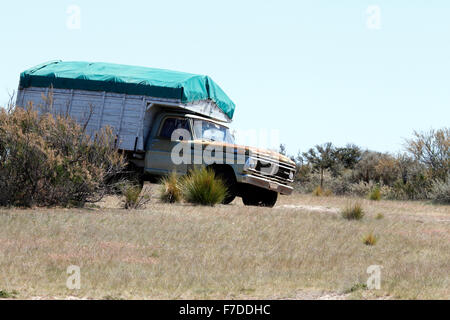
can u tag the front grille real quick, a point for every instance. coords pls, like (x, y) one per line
(283, 173)
(276, 171)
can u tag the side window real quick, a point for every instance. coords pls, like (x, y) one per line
(172, 124)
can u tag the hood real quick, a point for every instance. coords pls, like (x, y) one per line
(259, 151)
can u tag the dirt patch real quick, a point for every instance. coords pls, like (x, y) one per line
(310, 208)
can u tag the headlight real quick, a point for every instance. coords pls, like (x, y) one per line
(250, 163)
(291, 175)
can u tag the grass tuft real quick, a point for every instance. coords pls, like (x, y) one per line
(201, 186)
(379, 216)
(134, 197)
(375, 194)
(170, 190)
(318, 192)
(110, 297)
(370, 239)
(357, 287)
(7, 295)
(353, 212)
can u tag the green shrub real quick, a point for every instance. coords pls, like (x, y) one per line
(49, 160)
(170, 190)
(201, 186)
(375, 194)
(7, 295)
(353, 212)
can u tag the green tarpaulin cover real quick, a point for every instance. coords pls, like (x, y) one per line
(132, 80)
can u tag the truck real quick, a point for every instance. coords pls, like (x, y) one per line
(164, 121)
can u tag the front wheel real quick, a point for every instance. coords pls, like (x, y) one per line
(229, 182)
(260, 197)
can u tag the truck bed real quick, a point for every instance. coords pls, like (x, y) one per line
(125, 98)
(130, 116)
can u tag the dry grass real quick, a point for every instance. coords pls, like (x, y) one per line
(135, 197)
(184, 251)
(318, 192)
(353, 211)
(375, 194)
(170, 189)
(370, 239)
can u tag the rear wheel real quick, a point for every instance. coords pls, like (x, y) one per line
(259, 197)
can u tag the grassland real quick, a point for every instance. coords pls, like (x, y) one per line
(301, 249)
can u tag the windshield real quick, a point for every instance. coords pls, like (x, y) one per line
(211, 131)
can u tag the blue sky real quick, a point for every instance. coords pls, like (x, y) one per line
(311, 69)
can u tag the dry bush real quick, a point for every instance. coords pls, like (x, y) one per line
(310, 180)
(170, 190)
(318, 192)
(49, 160)
(387, 169)
(413, 175)
(432, 149)
(440, 192)
(417, 187)
(135, 197)
(341, 185)
(361, 189)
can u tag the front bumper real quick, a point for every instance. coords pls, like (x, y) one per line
(265, 183)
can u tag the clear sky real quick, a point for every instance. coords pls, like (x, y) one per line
(366, 72)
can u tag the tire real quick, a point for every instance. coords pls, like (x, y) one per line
(260, 198)
(230, 183)
(229, 199)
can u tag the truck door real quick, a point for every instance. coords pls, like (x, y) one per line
(158, 156)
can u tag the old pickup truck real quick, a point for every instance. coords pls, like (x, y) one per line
(164, 121)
